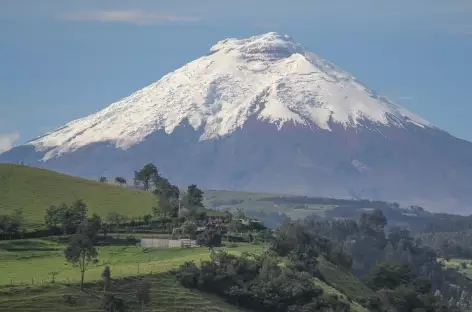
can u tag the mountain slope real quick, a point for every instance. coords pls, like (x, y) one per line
(263, 114)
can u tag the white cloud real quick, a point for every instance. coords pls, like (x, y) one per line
(7, 140)
(128, 16)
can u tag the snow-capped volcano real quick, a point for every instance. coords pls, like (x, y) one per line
(270, 77)
(263, 114)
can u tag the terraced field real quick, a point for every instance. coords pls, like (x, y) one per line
(166, 295)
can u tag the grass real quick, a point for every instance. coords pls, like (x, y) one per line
(344, 281)
(31, 261)
(258, 202)
(455, 263)
(34, 190)
(25, 280)
(329, 290)
(166, 295)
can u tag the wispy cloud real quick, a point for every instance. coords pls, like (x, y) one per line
(7, 140)
(128, 16)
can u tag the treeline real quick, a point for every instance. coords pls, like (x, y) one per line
(354, 203)
(449, 244)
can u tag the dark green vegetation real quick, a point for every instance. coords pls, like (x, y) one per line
(399, 274)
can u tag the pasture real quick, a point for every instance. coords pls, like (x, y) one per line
(33, 262)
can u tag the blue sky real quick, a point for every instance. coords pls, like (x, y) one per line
(62, 59)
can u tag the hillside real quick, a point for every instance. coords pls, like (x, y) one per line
(27, 287)
(34, 190)
(166, 295)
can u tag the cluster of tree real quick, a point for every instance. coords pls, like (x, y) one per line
(368, 245)
(11, 223)
(169, 201)
(449, 244)
(259, 283)
(404, 275)
(118, 180)
(67, 217)
(396, 286)
(448, 223)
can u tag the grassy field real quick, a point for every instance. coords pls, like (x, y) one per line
(258, 202)
(329, 290)
(34, 190)
(166, 295)
(32, 261)
(26, 266)
(455, 263)
(344, 281)
(26, 285)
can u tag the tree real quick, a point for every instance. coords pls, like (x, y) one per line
(144, 176)
(69, 218)
(103, 179)
(55, 215)
(106, 278)
(115, 218)
(94, 226)
(10, 224)
(80, 251)
(374, 221)
(120, 181)
(189, 228)
(143, 294)
(193, 198)
(390, 275)
(168, 196)
(147, 218)
(75, 215)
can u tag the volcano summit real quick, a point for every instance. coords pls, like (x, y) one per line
(264, 114)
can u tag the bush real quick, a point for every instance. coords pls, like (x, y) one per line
(188, 274)
(257, 282)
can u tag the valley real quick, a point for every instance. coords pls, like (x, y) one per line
(35, 269)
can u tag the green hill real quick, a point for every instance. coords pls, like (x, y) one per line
(255, 203)
(34, 190)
